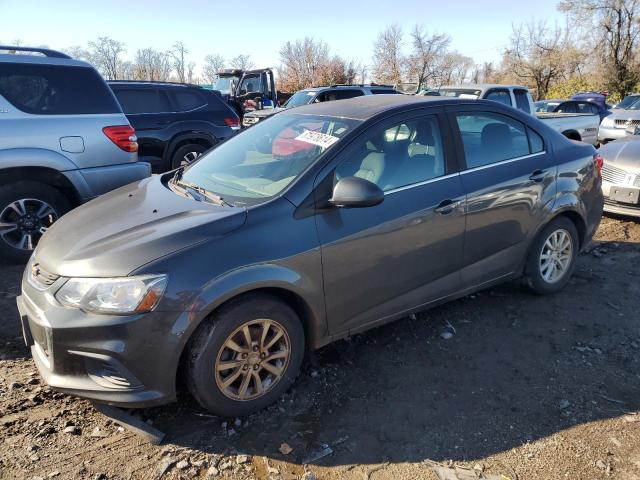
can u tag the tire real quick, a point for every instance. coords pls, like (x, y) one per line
(209, 353)
(539, 273)
(16, 245)
(180, 155)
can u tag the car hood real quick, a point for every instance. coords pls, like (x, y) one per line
(129, 227)
(623, 153)
(622, 114)
(265, 112)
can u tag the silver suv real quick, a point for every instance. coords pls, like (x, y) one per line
(64, 140)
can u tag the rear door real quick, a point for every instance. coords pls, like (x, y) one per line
(407, 251)
(508, 176)
(149, 110)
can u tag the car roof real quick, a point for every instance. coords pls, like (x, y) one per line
(483, 86)
(349, 87)
(151, 83)
(41, 60)
(368, 106)
(555, 100)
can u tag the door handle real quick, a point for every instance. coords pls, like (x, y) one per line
(447, 206)
(538, 175)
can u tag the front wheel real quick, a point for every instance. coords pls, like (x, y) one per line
(552, 257)
(246, 356)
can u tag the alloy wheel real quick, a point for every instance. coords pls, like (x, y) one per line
(23, 222)
(252, 359)
(556, 256)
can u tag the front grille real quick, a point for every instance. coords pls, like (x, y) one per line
(626, 123)
(41, 276)
(613, 174)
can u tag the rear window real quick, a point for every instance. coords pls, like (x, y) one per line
(55, 90)
(143, 100)
(187, 100)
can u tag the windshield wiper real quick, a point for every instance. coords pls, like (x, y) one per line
(199, 193)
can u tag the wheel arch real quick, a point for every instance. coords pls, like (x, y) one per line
(41, 174)
(204, 139)
(572, 135)
(285, 292)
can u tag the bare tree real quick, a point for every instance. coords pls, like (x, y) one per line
(151, 64)
(389, 64)
(301, 61)
(106, 55)
(615, 23)
(536, 55)
(179, 55)
(243, 62)
(77, 52)
(212, 66)
(426, 59)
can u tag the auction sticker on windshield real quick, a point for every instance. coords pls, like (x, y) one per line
(317, 138)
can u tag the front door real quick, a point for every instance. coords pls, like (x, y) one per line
(407, 251)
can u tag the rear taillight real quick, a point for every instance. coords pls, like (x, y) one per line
(124, 136)
(233, 122)
(598, 161)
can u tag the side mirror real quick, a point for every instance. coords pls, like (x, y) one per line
(355, 192)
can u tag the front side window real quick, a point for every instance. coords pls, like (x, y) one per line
(500, 96)
(490, 137)
(143, 100)
(263, 160)
(251, 84)
(303, 97)
(343, 94)
(567, 107)
(392, 157)
(55, 90)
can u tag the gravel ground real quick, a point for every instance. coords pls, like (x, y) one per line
(526, 387)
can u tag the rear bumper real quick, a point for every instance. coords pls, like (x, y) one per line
(111, 359)
(92, 182)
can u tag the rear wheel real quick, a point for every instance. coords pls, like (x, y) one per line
(27, 210)
(186, 154)
(552, 257)
(246, 356)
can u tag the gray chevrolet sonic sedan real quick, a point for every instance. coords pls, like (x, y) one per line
(308, 227)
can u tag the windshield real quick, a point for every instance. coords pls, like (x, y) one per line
(546, 107)
(223, 84)
(634, 105)
(262, 161)
(628, 101)
(299, 98)
(469, 93)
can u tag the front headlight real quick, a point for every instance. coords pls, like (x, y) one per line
(607, 122)
(117, 296)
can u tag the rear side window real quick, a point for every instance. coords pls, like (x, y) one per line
(187, 100)
(143, 100)
(344, 94)
(500, 96)
(522, 100)
(489, 137)
(55, 90)
(380, 91)
(536, 144)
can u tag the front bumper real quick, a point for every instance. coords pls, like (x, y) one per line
(128, 361)
(608, 134)
(618, 208)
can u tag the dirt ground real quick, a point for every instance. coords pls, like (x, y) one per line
(527, 387)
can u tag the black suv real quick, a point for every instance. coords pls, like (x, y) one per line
(175, 123)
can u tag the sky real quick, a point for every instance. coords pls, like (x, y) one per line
(479, 30)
